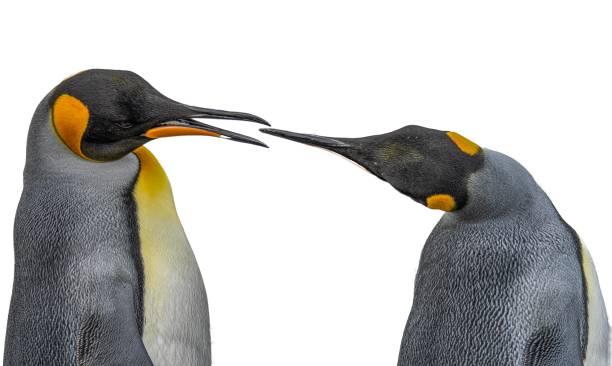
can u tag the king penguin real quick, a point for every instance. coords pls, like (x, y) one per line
(502, 278)
(104, 274)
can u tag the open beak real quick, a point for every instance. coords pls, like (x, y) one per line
(187, 125)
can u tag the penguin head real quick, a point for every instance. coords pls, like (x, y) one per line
(430, 166)
(102, 115)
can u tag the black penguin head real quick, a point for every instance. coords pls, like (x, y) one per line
(103, 115)
(430, 166)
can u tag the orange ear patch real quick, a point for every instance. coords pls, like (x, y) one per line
(444, 202)
(464, 144)
(70, 117)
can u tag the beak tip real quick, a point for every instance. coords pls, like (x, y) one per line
(248, 140)
(254, 118)
(264, 122)
(269, 131)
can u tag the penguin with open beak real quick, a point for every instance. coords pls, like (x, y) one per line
(104, 274)
(502, 279)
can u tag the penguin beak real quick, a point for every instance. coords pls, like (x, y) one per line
(354, 149)
(187, 125)
(329, 143)
(357, 150)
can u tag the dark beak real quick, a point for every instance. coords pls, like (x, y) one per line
(187, 125)
(329, 143)
(219, 114)
(355, 149)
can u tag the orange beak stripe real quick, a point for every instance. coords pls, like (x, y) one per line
(168, 131)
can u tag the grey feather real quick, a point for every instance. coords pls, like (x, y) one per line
(500, 281)
(74, 237)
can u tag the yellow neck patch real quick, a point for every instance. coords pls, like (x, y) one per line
(160, 231)
(70, 117)
(444, 202)
(152, 184)
(464, 144)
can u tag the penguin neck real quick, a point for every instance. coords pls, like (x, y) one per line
(48, 158)
(502, 188)
(152, 185)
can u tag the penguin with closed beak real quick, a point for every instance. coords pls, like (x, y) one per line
(502, 279)
(104, 274)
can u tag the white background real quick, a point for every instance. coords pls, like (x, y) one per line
(307, 259)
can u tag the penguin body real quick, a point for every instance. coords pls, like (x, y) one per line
(502, 279)
(77, 291)
(104, 274)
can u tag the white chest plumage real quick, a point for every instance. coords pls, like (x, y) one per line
(176, 323)
(598, 332)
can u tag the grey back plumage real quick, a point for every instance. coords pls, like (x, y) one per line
(77, 279)
(500, 281)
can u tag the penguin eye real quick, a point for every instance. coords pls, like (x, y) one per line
(125, 115)
(124, 124)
